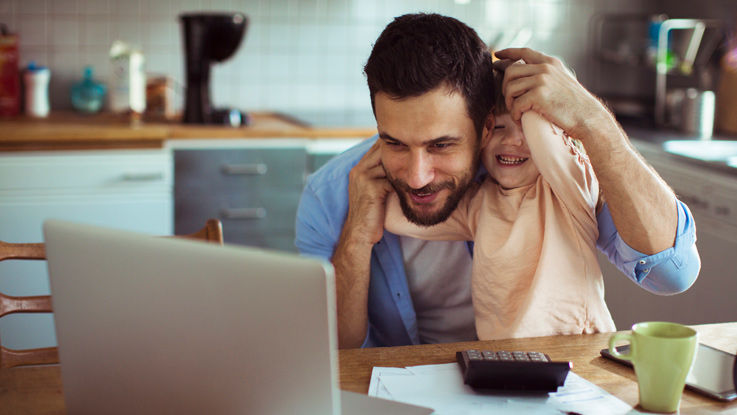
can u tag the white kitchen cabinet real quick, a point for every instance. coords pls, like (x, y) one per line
(127, 189)
(712, 198)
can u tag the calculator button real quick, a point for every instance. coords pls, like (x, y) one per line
(489, 355)
(521, 356)
(537, 357)
(474, 355)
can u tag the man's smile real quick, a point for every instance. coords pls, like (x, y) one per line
(422, 196)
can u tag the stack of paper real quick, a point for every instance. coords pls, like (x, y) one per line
(441, 387)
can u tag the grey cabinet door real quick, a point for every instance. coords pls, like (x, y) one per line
(253, 191)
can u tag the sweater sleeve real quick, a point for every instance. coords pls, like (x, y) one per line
(563, 166)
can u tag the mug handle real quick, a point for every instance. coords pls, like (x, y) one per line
(622, 336)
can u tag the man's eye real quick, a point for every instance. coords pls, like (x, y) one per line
(440, 146)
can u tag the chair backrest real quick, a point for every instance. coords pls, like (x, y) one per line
(211, 232)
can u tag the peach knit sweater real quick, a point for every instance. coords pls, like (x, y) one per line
(535, 271)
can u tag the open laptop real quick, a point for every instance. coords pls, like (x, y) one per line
(153, 325)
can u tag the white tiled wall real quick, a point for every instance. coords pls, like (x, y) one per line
(297, 55)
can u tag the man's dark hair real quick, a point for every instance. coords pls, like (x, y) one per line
(417, 52)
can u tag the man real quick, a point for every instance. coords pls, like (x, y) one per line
(432, 90)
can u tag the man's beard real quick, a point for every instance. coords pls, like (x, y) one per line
(457, 190)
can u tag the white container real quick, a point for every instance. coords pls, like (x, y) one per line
(698, 113)
(36, 81)
(128, 83)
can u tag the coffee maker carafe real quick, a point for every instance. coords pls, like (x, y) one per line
(209, 37)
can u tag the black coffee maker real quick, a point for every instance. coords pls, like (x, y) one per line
(209, 37)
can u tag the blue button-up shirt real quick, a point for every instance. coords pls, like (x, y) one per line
(391, 315)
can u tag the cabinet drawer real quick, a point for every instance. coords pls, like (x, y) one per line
(243, 233)
(238, 169)
(274, 211)
(137, 170)
(275, 241)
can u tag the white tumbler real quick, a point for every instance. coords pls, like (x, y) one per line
(36, 81)
(698, 113)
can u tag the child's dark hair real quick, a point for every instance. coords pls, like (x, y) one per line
(418, 52)
(500, 106)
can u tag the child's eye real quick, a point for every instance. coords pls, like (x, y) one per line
(499, 127)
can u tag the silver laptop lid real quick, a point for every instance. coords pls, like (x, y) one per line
(162, 325)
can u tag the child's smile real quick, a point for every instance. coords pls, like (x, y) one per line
(506, 160)
(507, 157)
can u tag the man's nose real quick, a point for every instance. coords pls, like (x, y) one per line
(420, 170)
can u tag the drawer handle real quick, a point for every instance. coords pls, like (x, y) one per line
(143, 177)
(243, 213)
(255, 169)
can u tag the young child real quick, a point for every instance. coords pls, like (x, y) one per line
(533, 221)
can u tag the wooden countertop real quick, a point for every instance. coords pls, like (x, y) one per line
(66, 130)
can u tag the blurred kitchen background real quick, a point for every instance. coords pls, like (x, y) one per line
(305, 57)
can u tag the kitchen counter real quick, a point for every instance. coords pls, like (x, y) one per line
(651, 141)
(66, 130)
(69, 131)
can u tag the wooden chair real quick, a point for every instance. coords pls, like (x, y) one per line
(211, 232)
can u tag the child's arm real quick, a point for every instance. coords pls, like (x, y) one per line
(455, 228)
(566, 169)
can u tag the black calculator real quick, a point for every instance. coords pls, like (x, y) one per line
(503, 370)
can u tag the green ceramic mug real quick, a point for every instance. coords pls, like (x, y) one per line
(662, 354)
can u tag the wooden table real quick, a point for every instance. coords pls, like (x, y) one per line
(38, 390)
(582, 350)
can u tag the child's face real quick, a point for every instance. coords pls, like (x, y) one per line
(507, 157)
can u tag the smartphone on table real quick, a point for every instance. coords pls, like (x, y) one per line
(713, 373)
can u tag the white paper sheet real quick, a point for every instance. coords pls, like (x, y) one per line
(441, 387)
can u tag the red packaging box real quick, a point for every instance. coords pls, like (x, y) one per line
(9, 77)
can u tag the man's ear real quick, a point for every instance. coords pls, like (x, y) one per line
(488, 129)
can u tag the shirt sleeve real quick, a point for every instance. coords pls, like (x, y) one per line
(312, 227)
(564, 167)
(323, 205)
(455, 228)
(668, 272)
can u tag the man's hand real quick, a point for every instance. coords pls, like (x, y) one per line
(368, 189)
(544, 85)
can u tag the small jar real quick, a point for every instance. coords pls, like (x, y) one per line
(88, 95)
